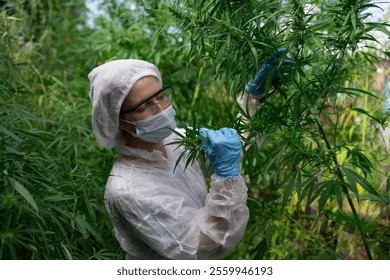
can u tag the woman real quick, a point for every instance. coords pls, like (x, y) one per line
(159, 211)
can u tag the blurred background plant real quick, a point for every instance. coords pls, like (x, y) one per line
(315, 161)
(51, 204)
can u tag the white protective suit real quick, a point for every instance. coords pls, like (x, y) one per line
(162, 213)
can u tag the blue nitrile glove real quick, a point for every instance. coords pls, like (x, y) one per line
(271, 70)
(223, 149)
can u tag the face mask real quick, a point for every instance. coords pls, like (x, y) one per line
(155, 128)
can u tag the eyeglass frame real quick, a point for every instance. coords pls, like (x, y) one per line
(133, 108)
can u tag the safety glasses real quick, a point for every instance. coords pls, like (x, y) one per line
(164, 98)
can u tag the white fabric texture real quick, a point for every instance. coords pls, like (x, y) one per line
(162, 213)
(110, 83)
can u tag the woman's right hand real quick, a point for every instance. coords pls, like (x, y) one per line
(223, 149)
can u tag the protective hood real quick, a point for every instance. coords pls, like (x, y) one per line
(110, 83)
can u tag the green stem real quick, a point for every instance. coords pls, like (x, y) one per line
(346, 192)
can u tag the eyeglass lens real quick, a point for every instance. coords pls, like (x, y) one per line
(164, 92)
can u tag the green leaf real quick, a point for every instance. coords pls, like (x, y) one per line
(357, 178)
(339, 196)
(66, 252)
(382, 199)
(382, 27)
(88, 208)
(353, 18)
(24, 193)
(254, 52)
(323, 199)
(34, 134)
(9, 133)
(14, 18)
(359, 160)
(85, 227)
(299, 184)
(355, 91)
(343, 218)
(289, 188)
(367, 114)
(178, 160)
(329, 190)
(352, 181)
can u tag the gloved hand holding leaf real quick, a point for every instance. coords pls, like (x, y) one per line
(223, 149)
(274, 69)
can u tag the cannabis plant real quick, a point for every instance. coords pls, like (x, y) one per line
(50, 196)
(313, 185)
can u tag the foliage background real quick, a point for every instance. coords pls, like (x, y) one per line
(314, 148)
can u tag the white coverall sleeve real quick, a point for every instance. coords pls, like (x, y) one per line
(177, 230)
(248, 103)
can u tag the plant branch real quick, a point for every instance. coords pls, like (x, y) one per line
(345, 190)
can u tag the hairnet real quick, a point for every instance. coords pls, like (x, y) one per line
(110, 83)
